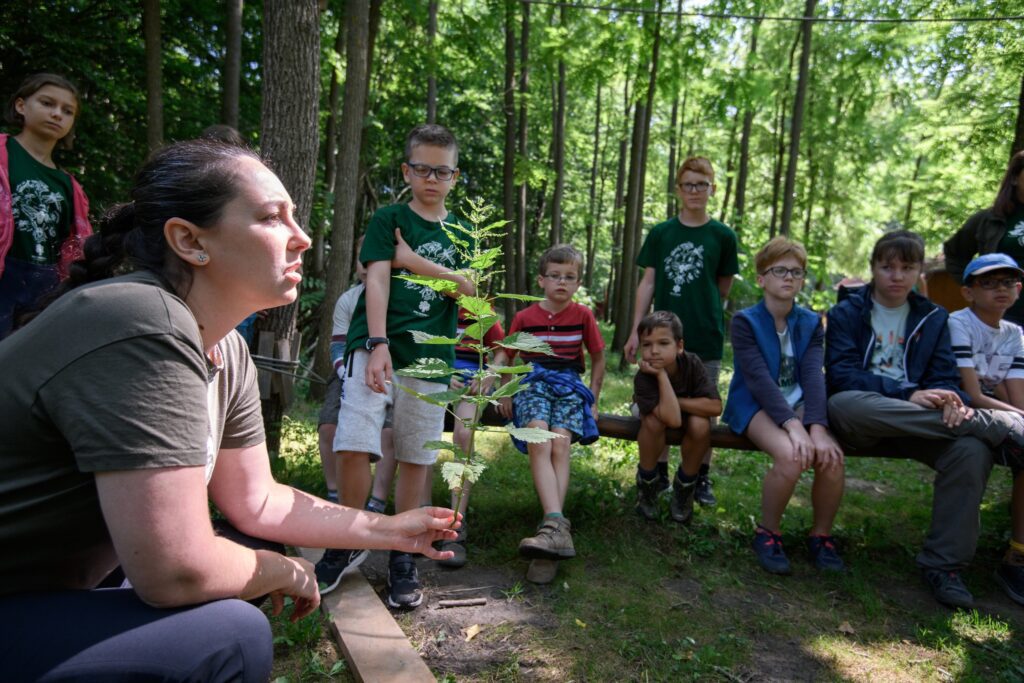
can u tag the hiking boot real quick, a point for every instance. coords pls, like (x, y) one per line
(823, 554)
(403, 586)
(704, 495)
(1010, 576)
(770, 555)
(553, 541)
(334, 565)
(457, 546)
(681, 507)
(664, 483)
(948, 588)
(541, 571)
(647, 497)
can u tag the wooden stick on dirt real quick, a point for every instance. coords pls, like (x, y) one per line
(468, 602)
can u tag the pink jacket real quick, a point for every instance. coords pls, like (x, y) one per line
(80, 227)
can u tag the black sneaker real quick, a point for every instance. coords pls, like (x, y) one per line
(1011, 578)
(403, 587)
(704, 495)
(948, 588)
(334, 565)
(647, 491)
(822, 550)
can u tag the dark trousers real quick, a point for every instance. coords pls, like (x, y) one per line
(21, 286)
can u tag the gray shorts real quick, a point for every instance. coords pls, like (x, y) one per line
(332, 404)
(364, 411)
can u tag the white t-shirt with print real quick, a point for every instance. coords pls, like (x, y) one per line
(995, 353)
(889, 325)
(791, 391)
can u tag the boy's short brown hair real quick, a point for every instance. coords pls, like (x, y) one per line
(432, 134)
(904, 245)
(700, 165)
(777, 249)
(660, 319)
(561, 254)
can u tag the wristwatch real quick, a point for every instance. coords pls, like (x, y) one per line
(371, 342)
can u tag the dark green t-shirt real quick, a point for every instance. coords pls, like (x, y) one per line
(112, 376)
(1012, 245)
(410, 306)
(687, 263)
(41, 204)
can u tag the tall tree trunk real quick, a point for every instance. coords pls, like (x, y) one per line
(670, 186)
(367, 202)
(232, 63)
(588, 278)
(289, 139)
(339, 272)
(615, 276)
(729, 165)
(796, 125)
(748, 125)
(154, 74)
(330, 150)
(509, 167)
(432, 62)
(559, 139)
(523, 199)
(780, 130)
(1018, 136)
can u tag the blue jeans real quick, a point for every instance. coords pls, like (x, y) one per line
(21, 286)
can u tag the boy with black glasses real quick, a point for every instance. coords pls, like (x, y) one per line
(689, 262)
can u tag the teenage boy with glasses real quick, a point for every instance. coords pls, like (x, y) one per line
(689, 262)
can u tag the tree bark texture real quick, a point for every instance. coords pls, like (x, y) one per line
(154, 74)
(780, 130)
(559, 136)
(509, 161)
(431, 62)
(743, 171)
(588, 278)
(796, 123)
(1018, 137)
(232, 63)
(523, 139)
(330, 150)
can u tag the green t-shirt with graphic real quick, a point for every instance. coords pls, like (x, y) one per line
(1012, 245)
(41, 206)
(410, 306)
(687, 263)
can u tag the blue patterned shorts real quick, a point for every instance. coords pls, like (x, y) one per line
(539, 402)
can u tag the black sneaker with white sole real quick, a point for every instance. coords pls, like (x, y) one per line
(704, 494)
(403, 588)
(334, 564)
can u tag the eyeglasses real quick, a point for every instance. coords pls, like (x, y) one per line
(700, 188)
(555, 277)
(442, 173)
(997, 283)
(782, 271)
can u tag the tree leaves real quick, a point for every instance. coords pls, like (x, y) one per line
(532, 434)
(524, 341)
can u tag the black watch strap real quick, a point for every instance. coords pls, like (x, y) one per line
(371, 342)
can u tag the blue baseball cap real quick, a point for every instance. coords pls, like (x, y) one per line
(989, 262)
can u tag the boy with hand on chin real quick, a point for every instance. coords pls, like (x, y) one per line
(777, 398)
(556, 399)
(400, 239)
(671, 390)
(990, 357)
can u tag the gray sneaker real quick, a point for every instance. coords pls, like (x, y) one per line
(457, 546)
(681, 507)
(948, 588)
(553, 541)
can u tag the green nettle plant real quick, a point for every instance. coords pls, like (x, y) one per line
(468, 465)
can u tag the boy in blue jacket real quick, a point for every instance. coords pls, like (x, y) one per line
(892, 381)
(777, 398)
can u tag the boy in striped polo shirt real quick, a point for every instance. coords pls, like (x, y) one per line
(557, 399)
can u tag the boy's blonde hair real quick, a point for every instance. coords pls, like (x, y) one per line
(697, 165)
(777, 249)
(561, 254)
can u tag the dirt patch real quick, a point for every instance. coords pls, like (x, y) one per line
(873, 488)
(509, 632)
(781, 659)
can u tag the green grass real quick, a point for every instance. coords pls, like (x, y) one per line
(656, 601)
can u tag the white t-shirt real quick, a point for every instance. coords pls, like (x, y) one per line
(995, 353)
(342, 320)
(889, 325)
(791, 391)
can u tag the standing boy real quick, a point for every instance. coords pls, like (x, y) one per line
(556, 398)
(689, 262)
(400, 239)
(671, 390)
(990, 356)
(892, 380)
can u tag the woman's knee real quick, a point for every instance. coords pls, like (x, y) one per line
(240, 644)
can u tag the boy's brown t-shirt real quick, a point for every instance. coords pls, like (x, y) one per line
(690, 381)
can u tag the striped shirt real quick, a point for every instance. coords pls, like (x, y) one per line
(996, 354)
(568, 332)
(496, 333)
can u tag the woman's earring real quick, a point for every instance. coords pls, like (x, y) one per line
(202, 257)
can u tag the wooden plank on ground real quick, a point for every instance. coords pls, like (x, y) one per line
(374, 645)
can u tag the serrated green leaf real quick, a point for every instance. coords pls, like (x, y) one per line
(441, 398)
(532, 434)
(512, 369)
(427, 368)
(437, 284)
(519, 297)
(510, 388)
(454, 473)
(445, 446)
(421, 337)
(496, 225)
(485, 259)
(524, 341)
(479, 329)
(476, 306)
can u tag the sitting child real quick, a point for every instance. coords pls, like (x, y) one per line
(777, 398)
(990, 356)
(671, 390)
(556, 398)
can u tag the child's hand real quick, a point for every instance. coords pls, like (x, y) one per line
(629, 350)
(378, 369)
(827, 451)
(648, 369)
(455, 382)
(803, 447)
(403, 252)
(505, 407)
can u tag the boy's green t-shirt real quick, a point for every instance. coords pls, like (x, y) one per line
(41, 207)
(1012, 245)
(410, 306)
(687, 263)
